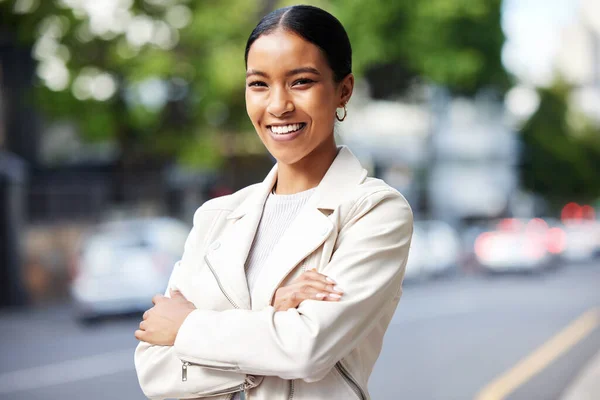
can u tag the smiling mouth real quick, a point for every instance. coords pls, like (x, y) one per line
(286, 129)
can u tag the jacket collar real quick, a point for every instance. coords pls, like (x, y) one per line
(306, 233)
(344, 173)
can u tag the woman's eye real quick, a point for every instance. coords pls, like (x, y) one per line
(302, 81)
(257, 84)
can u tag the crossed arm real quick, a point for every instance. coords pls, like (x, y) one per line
(160, 326)
(303, 342)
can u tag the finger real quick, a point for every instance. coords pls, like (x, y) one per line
(298, 297)
(327, 282)
(143, 325)
(175, 293)
(313, 286)
(314, 275)
(157, 298)
(294, 298)
(146, 315)
(315, 294)
(332, 297)
(140, 335)
(308, 287)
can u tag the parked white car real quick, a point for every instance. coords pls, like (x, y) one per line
(582, 241)
(435, 250)
(514, 244)
(121, 265)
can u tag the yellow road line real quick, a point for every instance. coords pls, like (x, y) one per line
(542, 357)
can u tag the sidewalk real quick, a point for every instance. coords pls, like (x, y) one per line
(586, 385)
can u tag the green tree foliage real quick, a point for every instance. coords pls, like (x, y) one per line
(561, 158)
(456, 44)
(177, 75)
(166, 75)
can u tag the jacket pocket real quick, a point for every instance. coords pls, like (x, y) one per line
(162, 375)
(245, 383)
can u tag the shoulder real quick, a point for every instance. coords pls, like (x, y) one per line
(223, 205)
(375, 196)
(373, 188)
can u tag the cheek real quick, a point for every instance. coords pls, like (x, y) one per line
(322, 109)
(322, 103)
(252, 108)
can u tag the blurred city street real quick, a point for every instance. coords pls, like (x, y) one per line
(119, 118)
(448, 340)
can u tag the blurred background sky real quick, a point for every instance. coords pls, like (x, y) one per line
(119, 118)
(534, 33)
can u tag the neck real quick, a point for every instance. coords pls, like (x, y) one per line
(306, 173)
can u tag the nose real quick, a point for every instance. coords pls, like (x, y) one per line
(279, 103)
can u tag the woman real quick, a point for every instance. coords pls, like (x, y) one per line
(285, 288)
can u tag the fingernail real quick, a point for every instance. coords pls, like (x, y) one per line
(338, 289)
(321, 295)
(330, 280)
(335, 296)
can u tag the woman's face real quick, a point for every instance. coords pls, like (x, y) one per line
(291, 96)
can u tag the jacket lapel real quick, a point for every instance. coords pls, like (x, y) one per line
(310, 228)
(228, 253)
(306, 233)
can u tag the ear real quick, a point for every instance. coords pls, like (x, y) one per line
(346, 89)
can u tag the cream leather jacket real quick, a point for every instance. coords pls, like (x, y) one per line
(354, 229)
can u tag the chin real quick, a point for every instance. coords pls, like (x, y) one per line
(287, 156)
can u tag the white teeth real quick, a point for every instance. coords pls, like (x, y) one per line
(282, 130)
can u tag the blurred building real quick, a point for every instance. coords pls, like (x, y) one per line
(473, 172)
(391, 139)
(454, 159)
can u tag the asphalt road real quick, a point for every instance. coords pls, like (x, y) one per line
(449, 339)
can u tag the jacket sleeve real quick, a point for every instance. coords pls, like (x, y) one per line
(159, 369)
(368, 264)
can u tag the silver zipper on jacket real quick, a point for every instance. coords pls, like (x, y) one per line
(186, 364)
(184, 368)
(243, 395)
(219, 283)
(248, 383)
(249, 378)
(291, 396)
(233, 390)
(350, 380)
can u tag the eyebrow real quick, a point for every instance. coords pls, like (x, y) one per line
(292, 72)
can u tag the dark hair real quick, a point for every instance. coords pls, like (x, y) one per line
(314, 25)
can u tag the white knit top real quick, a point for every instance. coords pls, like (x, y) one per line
(278, 213)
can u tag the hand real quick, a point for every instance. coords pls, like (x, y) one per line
(310, 285)
(162, 322)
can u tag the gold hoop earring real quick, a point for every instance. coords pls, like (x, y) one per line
(342, 118)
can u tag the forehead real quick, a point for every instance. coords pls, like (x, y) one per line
(281, 51)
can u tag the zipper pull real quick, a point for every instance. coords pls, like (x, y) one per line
(244, 395)
(184, 367)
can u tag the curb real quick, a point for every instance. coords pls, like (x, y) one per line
(586, 385)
